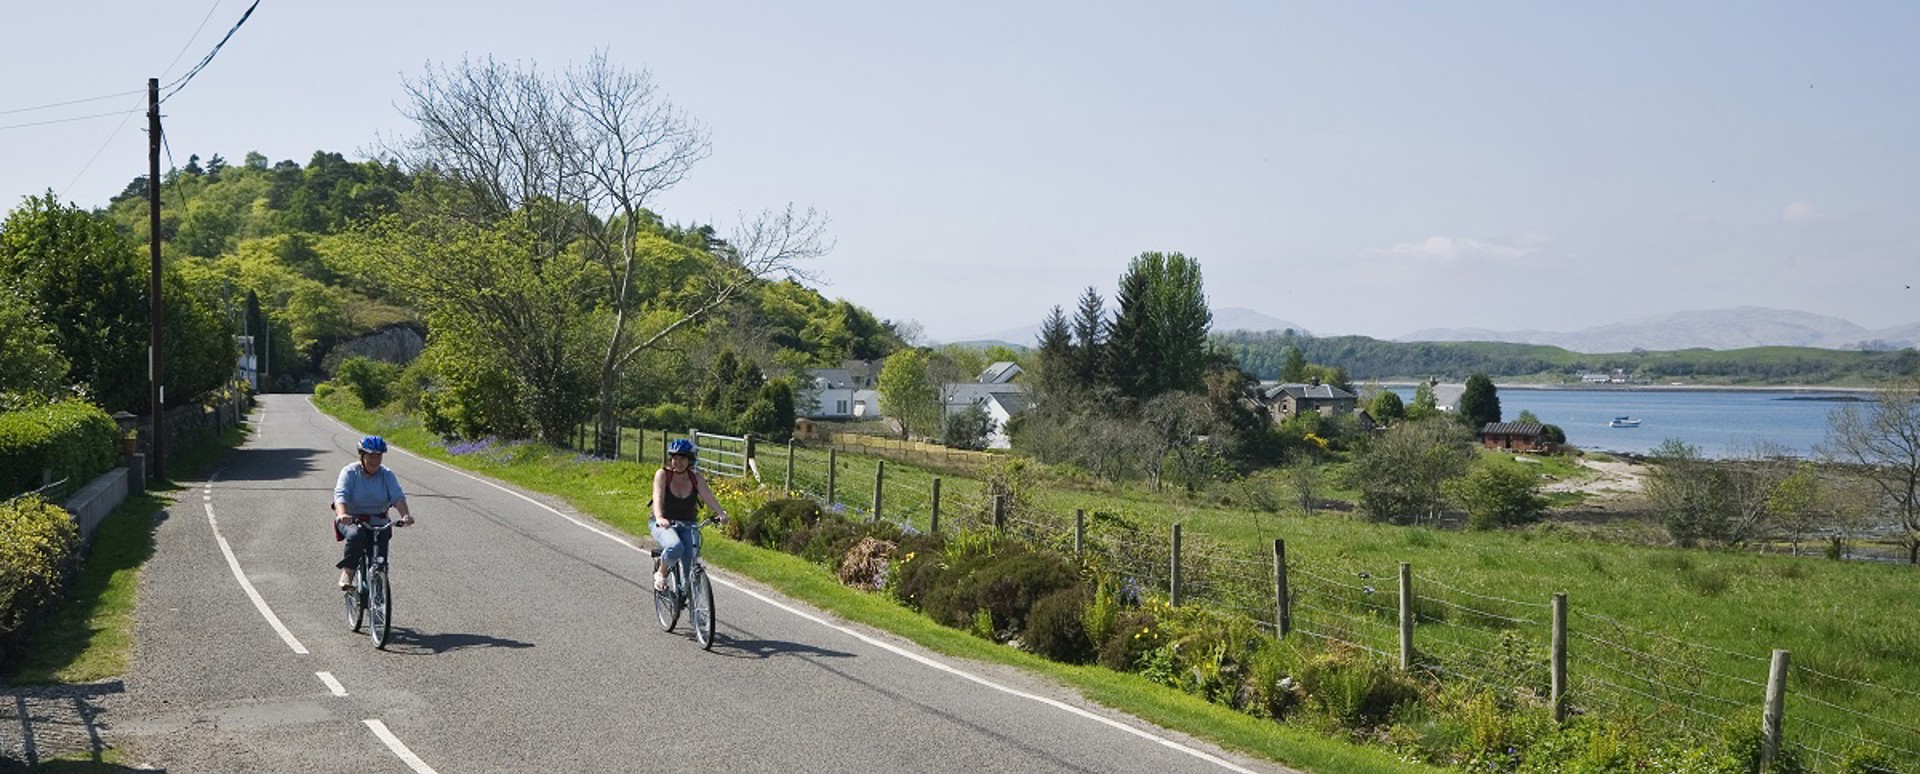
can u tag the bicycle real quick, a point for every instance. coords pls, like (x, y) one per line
(693, 594)
(370, 599)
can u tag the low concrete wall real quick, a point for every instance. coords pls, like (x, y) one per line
(94, 501)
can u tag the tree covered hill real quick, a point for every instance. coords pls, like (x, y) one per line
(1363, 358)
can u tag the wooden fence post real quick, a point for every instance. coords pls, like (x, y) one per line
(666, 439)
(1771, 717)
(999, 513)
(1173, 585)
(789, 464)
(879, 480)
(933, 521)
(833, 471)
(1282, 604)
(1559, 695)
(1079, 531)
(1406, 615)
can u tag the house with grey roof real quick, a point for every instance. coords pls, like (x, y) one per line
(1287, 401)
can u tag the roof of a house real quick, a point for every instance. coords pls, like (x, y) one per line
(1000, 373)
(1012, 397)
(1513, 428)
(1309, 392)
(830, 378)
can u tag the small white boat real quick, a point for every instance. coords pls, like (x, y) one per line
(1624, 422)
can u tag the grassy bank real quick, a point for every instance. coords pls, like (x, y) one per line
(1666, 637)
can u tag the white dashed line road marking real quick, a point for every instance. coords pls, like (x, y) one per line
(393, 743)
(332, 684)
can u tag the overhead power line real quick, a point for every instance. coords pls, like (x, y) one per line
(69, 119)
(181, 83)
(51, 105)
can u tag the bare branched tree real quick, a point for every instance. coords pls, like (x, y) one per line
(1882, 439)
(577, 159)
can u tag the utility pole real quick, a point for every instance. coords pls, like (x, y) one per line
(156, 368)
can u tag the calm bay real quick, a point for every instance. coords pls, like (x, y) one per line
(1720, 423)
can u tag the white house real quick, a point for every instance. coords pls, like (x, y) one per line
(846, 392)
(993, 391)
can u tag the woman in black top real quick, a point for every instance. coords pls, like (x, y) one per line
(678, 491)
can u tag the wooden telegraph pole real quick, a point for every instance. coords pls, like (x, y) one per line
(156, 368)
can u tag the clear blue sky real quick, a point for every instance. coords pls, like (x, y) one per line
(1369, 168)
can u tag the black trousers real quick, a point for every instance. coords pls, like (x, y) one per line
(359, 539)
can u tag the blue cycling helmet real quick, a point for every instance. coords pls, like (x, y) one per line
(682, 447)
(373, 444)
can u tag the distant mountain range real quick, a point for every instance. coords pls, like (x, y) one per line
(1737, 328)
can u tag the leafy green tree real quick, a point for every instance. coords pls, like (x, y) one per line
(907, 395)
(31, 367)
(968, 428)
(1402, 475)
(1479, 403)
(1684, 489)
(1425, 405)
(1499, 493)
(77, 272)
(491, 311)
(1387, 408)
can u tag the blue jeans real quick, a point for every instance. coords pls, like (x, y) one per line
(677, 543)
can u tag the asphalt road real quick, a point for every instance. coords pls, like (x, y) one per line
(524, 641)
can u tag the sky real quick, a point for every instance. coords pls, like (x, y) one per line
(1353, 168)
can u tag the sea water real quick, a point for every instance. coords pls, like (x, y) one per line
(1720, 423)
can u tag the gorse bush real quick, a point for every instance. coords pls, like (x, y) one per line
(770, 525)
(1055, 628)
(1005, 583)
(73, 439)
(37, 545)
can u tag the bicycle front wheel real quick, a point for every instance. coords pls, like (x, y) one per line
(379, 607)
(350, 599)
(666, 602)
(700, 607)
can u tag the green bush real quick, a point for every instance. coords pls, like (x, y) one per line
(371, 380)
(923, 565)
(1134, 635)
(1055, 628)
(1353, 690)
(37, 545)
(770, 525)
(322, 390)
(1005, 583)
(74, 439)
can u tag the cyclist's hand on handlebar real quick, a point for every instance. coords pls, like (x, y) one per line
(405, 520)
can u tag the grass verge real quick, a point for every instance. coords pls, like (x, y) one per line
(612, 493)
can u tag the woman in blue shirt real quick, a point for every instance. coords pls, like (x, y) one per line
(362, 496)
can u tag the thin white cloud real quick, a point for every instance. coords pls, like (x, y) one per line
(1444, 251)
(1803, 214)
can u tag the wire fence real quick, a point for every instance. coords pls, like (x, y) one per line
(1462, 637)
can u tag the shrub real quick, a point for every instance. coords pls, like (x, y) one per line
(322, 390)
(770, 525)
(37, 545)
(923, 565)
(371, 380)
(1055, 628)
(864, 566)
(73, 439)
(1352, 690)
(1005, 583)
(1133, 636)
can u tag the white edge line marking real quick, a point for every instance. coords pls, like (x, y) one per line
(247, 586)
(902, 652)
(393, 743)
(332, 684)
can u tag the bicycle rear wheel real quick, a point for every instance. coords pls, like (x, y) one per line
(379, 607)
(666, 602)
(700, 607)
(350, 599)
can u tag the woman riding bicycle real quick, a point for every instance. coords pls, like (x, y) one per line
(361, 497)
(678, 491)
